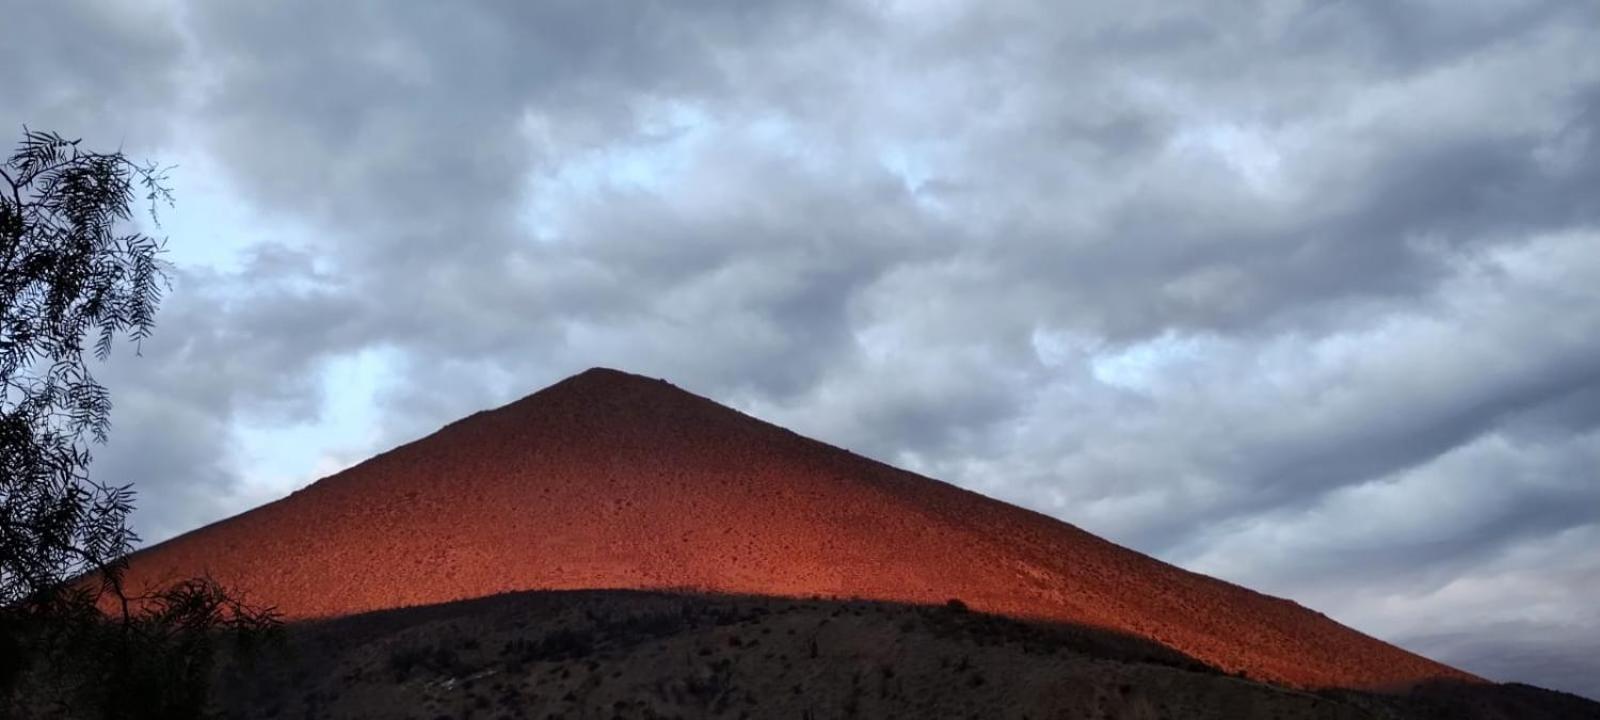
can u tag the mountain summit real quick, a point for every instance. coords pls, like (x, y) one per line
(612, 480)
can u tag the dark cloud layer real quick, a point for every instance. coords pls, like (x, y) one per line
(1299, 294)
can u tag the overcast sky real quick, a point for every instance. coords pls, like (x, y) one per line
(1304, 295)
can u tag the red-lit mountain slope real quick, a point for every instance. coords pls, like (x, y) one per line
(611, 480)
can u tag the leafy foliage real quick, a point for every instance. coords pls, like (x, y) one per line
(153, 661)
(66, 275)
(70, 277)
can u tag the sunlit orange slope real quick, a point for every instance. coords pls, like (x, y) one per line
(611, 480)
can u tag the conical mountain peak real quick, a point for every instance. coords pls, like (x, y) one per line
(613, 480)
(601, 383)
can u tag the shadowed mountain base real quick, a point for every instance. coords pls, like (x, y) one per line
(627, 654)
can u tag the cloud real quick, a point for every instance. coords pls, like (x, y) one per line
(1297, 294)
(73, 66)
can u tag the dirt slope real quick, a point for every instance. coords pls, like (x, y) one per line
(611, 480)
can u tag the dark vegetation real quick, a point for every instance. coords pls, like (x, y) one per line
(74, 642)
(626, 654)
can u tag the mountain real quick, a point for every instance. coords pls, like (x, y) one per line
(612, 480)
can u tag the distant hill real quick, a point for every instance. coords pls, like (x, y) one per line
(608, 480)
(626, 654)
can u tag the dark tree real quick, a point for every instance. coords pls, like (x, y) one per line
(67, 277)
(73, 279)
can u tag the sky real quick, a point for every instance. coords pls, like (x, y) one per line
(1304, 294)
